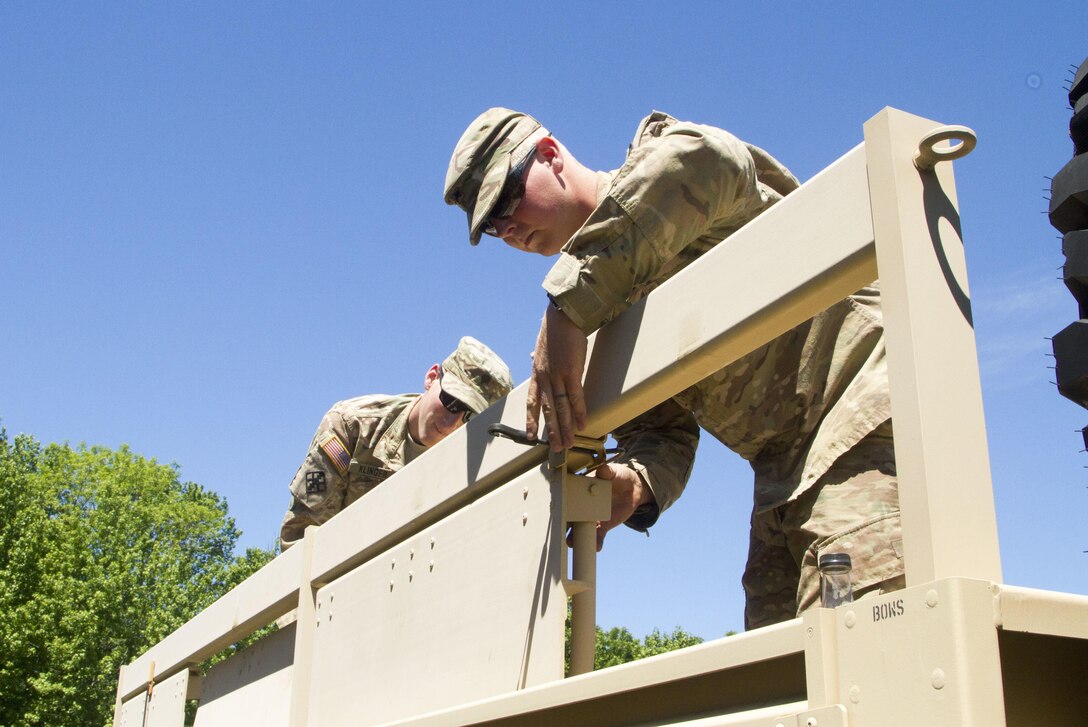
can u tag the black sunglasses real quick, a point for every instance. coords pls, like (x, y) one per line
(513, 189)
(453, 404)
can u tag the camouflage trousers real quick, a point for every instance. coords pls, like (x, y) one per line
(854, 509)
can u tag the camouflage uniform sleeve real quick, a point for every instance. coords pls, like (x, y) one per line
(660, 446)
(320, 485)
(671, 190)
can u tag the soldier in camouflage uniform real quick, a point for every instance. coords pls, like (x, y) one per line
(361, 441)
(809, 410)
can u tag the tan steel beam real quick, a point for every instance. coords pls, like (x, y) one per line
(1043, 612)
(945, 492)
(748, 671)
(737, 297)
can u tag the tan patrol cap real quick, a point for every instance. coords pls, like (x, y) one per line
(475, 375)
(481, 162)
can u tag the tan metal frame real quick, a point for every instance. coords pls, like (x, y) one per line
(955, 648)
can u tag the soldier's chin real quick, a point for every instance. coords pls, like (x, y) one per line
(549, 247)
(433, 436)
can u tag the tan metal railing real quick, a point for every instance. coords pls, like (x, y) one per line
(439, 598)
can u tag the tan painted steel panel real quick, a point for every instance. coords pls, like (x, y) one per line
(469, 608)
(253, 687)
(257, 601)
(926, 655)
(463, 466)
(132, 711)
(167, 707)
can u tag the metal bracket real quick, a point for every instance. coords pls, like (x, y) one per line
(587, 454)
(929, 154)
(586, 499)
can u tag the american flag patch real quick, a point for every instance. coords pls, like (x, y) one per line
(334, 449)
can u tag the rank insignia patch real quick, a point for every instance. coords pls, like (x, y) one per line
(315, 482)
(337, 452)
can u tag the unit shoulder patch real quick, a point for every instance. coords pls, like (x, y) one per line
(315, 482)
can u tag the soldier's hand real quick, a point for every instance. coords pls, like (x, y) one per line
(555, 387)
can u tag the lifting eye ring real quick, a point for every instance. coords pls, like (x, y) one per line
(929, 153)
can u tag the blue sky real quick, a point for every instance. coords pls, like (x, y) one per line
(216, 219)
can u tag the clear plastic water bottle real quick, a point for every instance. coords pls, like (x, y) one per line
(835, 587)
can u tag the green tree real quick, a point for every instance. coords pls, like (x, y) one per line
(619, 646)
(102, 554)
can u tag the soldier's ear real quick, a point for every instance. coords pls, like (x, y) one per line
(433, 374)
(548, 150)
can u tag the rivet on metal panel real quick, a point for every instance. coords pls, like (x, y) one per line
(412, 554)
(931, 599)
(850, 619)
(390, 585)
(811, 722)
(432, 543)
(430, 566)
(937, 679)
(411, 575)
(393, 564)
(810, 632)
(524, 518)
(525, 493)
(855, 694)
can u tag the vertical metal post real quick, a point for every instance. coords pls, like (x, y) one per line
(585, 501)
(583, 616)
(821, 658)
(117, 699)
(305, 625)
(150, 690)
(945, 492)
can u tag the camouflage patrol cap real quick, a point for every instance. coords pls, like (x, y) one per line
(481, 162)
(475, 375)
